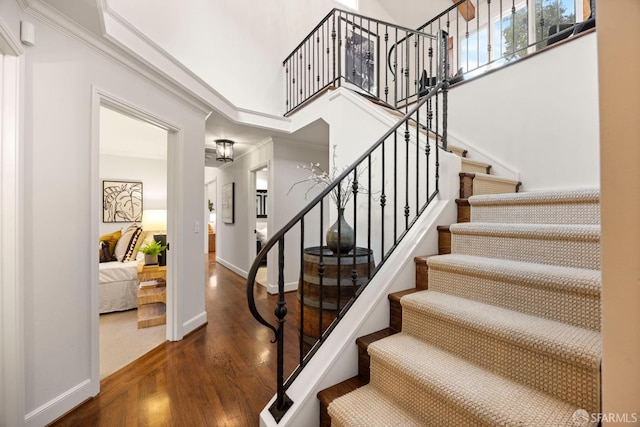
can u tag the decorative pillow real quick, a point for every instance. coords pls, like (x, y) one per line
(105, 255)
(141, 237)
(111, 239)
(127, 243)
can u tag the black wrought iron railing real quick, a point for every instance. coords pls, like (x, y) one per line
(372, 204)
(347, 49)
(486, 34)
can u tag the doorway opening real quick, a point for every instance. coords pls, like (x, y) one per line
(259, 219)
(132, 172)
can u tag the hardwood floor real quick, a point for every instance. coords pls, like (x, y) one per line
(222, 374)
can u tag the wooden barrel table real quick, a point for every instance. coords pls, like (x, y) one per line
(322, 291)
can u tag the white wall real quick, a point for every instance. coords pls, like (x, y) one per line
(539, 116)
(151, 172)
(289, 200)
(59, 189)
(235, 243)
(234, 45)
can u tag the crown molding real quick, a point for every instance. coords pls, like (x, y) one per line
(122, 33)
(9, 44)
(76, 32)
(126, 46)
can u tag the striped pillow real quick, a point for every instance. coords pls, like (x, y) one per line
(126, 245)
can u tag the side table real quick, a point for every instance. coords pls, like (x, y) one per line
(152, 295)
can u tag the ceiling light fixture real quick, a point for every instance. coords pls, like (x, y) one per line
(224, 150)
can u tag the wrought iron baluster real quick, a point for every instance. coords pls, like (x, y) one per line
(282, 402)
(369, 204)
(301, 293)
(321, 270)
(395, 188)
(333, 40)
(489, 31)
(355, 186)
(383, 197)
(407, 209)
(386, 74)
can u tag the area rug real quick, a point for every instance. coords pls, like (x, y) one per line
(121, 342)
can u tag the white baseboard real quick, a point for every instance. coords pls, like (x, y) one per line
(288, 287)
(240, 272)
(194, 323)
(59, 405)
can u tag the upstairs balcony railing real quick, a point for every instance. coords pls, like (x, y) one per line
(372, 205)
(484, 35)
(347, 49)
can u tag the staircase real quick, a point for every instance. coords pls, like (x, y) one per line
(508, 331)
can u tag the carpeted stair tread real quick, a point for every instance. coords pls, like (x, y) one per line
(571, 245)
(379, 410)
(580, 280)
(459, 151)
(586, 195)
(474, 183)
(577, 206)
(579, 345)
(440, 389)
(488, 177)
(564, 294)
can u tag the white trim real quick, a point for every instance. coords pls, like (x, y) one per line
(128, 38)
(174, 140)
(498, 167)
(195, 322)
(240, 272)
(9, 44)
(251, 211)
(44, 413)
(12, 402)
(71, 29)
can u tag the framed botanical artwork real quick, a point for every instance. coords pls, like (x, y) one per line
(360, 56)
(121, 201)
(228, 209)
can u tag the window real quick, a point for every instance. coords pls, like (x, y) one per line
(513, 29)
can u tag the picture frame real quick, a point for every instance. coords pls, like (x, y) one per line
(228, 199)
(360, 56)
(121, 201)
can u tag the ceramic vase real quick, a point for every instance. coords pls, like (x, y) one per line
(344, 241)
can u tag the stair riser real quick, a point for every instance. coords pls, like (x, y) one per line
(564, 252)
(582, 310)
(537, 214)
(444, 241)
(542, 371)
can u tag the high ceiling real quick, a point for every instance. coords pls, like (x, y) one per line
(87, 13)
